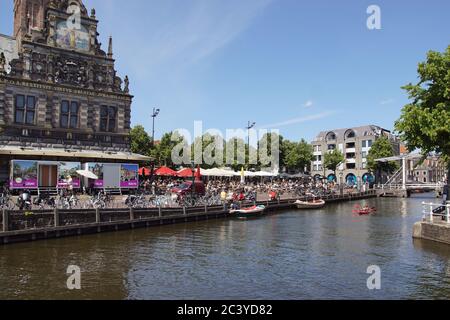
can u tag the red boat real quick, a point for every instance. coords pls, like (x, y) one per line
(364, 210)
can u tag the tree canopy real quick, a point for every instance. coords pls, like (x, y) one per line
(294, 156)
(140, 141)
(333, 159)
(381, 148)
(297, 155)
(425, 122)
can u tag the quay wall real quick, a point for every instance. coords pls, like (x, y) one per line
(16, 226)
(438, 232)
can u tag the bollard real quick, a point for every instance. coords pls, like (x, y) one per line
(431, 212)
(97, 215)
(448, 213)
(56, 217)
(131, 214)
(184, 210)
(159, 211)
(5, 220)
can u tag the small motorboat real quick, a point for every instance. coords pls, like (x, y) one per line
(364, 210)
(310, 204)
(248, 212)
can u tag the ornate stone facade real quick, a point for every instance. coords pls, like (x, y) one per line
(63, 90)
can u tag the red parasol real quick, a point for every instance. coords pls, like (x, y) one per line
(145, 171)
(165, 171)
(185, 173)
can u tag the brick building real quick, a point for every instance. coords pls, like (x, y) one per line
(61, 99)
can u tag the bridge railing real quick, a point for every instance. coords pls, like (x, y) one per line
(411, 186)
(432, 210)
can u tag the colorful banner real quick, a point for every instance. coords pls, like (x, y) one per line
(129, 176)
(24, 174)
(97, 169)
(68, 175)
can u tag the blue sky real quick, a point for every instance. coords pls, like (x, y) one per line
(298, 66)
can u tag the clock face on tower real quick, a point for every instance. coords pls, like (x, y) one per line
(71, 38)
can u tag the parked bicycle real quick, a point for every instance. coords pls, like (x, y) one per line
(6, 202)
(43, 201)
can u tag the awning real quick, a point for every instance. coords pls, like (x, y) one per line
(70, 153)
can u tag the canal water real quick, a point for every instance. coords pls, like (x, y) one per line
(321, 254)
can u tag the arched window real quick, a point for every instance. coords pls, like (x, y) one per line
(331, 136)
(350, 134)
(351, 179)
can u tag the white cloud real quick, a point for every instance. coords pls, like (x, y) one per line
(308, 104)
(176, 35)
(289, 122)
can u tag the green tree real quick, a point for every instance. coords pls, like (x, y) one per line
(140, 141)
(298, 155)
(162, 152)
(332, 160)
(381, 148)
(424, 123)
(209, 146)
(235, 152)
(265, 149)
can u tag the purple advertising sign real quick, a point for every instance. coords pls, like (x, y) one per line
(98, 183)
(24, 174)
(65, 184)
(129, 184)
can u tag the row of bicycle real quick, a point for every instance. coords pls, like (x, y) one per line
(43, 201)
(103, 200)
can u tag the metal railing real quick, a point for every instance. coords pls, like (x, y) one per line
(16, 220)
(411, 186)
(432, 210)
(393, 179)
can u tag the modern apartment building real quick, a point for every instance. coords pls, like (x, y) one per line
(355, 144)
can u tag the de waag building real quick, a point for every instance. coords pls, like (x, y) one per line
(63, 108)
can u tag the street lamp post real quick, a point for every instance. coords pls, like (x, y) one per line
(250, 126)
(193, 178)
(154, 115)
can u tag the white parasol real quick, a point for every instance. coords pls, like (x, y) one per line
(87, 174)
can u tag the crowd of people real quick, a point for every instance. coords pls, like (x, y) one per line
(274, 187)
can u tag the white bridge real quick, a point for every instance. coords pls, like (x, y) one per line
(399, 181)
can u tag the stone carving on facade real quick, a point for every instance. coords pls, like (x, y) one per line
(126, 89)
(71, 72)
(2, 63)
(40, 58)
